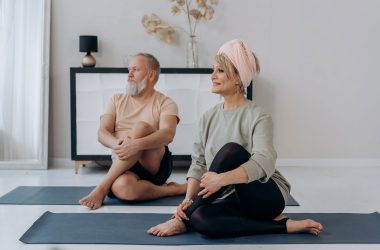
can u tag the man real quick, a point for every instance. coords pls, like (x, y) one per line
(137, 126)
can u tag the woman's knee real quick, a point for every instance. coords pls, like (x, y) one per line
(232, 148)
(229, 157)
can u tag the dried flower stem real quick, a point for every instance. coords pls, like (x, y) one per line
(188, 16)
(192, 28)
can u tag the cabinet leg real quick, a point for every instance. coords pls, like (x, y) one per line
(78, 164)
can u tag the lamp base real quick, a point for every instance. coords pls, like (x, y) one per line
(88, 60)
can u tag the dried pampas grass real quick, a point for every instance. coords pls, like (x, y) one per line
(203, 11)
(154, 24)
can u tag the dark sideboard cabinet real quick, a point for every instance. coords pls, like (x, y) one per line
(91, 88)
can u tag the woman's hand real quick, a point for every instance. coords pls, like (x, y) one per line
(210, 182)
(180, 213)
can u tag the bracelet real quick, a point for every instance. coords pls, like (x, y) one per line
(187, 200)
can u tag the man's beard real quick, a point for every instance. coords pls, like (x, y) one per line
(136, 88)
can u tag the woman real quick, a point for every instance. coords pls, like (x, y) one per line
(233, 186)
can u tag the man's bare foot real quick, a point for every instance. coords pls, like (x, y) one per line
(306, 226)
(95, 199)
(176, 188)
(168, 228)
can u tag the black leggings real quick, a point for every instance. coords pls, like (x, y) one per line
(250, 210)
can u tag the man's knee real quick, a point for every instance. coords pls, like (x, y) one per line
(123, 187)
(141, 129)
(151, 159)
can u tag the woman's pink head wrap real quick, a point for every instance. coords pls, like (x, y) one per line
(240, 54)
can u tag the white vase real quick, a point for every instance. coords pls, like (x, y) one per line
(192, 52)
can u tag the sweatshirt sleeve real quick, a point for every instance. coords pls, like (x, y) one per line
(198, 163)
(261, 165)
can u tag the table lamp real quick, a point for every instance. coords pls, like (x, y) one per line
(88, 44)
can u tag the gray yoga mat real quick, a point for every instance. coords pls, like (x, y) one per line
(65, 195)
(125, 228)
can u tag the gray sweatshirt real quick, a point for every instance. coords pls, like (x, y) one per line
(248, 126)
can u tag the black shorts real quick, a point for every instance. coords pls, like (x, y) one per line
(162, 174)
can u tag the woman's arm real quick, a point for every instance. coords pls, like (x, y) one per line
(261, 165)
(193, 187)
(196, 170)
(236, 176)
(192, 190)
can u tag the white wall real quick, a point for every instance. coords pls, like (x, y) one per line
(319, 62)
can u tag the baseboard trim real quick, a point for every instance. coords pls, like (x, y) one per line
(281, 162)
(61, 163)
(23, 165)
(320, 162)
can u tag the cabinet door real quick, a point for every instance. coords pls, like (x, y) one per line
(92, 93)
(192, 94)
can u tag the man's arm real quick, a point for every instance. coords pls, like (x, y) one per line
(106, 130)
(163, 136)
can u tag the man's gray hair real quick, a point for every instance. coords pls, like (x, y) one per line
(152, 62)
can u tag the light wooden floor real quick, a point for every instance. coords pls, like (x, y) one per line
(335, 189)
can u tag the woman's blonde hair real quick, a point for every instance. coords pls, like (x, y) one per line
(232, 73)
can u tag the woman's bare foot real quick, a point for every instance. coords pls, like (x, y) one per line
(280, 217)
(176, 188)
(306, 226)
(95, 199)
(168, 228)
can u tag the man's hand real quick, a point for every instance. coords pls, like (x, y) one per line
(125, 148)
(118, 143)
(210, 182)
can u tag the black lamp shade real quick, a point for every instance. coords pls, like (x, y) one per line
(88, 44)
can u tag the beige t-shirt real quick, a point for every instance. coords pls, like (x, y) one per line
(128, 112)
